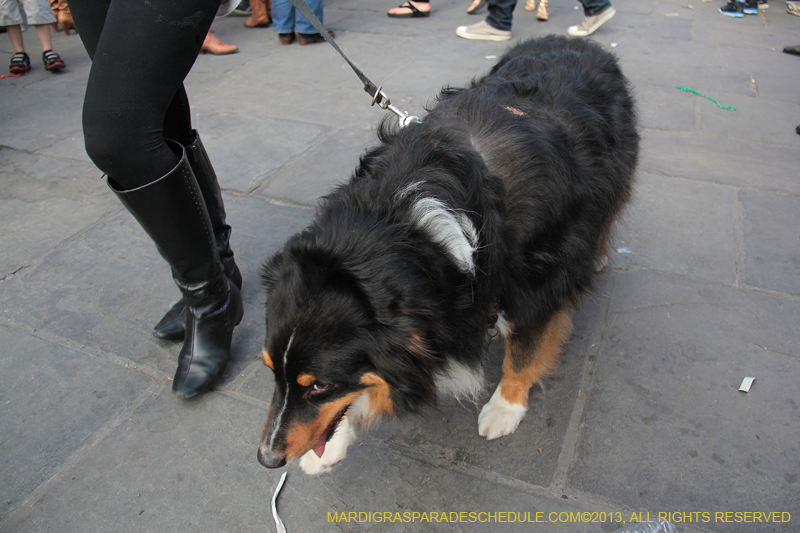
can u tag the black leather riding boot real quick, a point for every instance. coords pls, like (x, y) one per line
(172, 212)
(171, 326)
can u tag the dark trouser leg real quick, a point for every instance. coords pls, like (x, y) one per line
(501, 14)
(593, 7)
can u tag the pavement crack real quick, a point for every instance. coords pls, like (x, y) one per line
(790, 356)
(573, 436)
(10, 275)
(52, 338)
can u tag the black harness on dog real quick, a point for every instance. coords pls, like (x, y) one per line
(378, 96)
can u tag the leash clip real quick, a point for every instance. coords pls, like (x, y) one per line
(382, 99)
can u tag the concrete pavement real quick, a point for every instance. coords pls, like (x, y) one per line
(644, 415)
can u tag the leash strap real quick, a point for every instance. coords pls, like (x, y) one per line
(378, 96)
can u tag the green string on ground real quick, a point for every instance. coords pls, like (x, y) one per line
(698, 93)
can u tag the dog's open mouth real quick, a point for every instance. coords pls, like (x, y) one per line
(319, 447)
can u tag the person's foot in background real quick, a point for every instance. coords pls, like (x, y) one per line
(212, 45)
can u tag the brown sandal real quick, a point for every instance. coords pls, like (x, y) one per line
(530, 5)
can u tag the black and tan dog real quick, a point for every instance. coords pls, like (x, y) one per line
(499, 203)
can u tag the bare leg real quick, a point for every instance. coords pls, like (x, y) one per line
(45, 37)
(15, 35)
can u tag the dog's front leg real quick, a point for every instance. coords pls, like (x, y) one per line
(335, 450)
(529, 358)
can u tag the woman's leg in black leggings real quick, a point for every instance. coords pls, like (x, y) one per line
(141, 53)
(178, 119)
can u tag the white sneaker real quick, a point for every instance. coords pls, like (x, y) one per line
(483, 31)
(590, 24)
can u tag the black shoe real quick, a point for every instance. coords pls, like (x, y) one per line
(794, 50)
(20, 63)
(172, 326)
(750, 7)
(733, 9)
(172, 212)
(52, 61)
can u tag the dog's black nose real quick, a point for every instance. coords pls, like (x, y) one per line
(269, 459)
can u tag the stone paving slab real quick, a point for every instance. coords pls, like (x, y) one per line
(664, 108)
(46, 197)
(771, 241)
(325, 164)
(666, 387)
(777, 119)
(248, 147)
(693, 221)
(775, 73)
(768, 32)
(52, 400)
(721, 160)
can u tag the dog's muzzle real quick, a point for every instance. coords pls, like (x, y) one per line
(269, 458)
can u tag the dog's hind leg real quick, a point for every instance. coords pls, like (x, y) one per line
(529, 358)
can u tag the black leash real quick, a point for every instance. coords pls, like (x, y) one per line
(378, 96)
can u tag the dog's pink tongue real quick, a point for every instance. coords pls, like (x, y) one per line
(319, 447)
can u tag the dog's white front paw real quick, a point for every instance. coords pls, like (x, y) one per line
(499, 417)
(335, 450)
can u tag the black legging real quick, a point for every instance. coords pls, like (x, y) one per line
(141, 52)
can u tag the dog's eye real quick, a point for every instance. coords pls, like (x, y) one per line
(320, 388)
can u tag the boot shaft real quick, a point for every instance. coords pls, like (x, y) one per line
(172, 212)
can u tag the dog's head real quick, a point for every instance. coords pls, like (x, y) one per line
(335, 337)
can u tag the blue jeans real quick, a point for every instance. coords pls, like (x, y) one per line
(287, 20)
(593, 7)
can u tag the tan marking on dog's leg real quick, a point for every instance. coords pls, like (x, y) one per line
(306, 380)
(517, 377)
(267, 358)
(522, 367)
(302, 437)
(379, 394)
